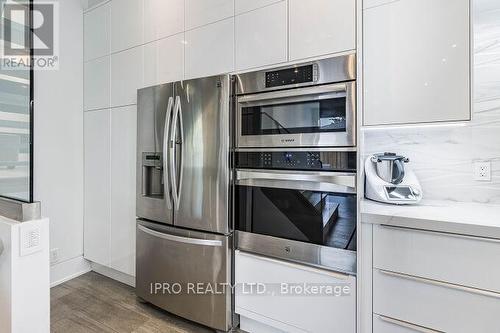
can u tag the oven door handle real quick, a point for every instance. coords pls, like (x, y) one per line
(301, 93)
(298, 180)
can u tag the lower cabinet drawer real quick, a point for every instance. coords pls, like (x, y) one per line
(273, 302)
(456, 259)
(383, 324)
(436, 305)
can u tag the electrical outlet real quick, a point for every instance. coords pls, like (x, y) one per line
(54, 256)
(482, 171)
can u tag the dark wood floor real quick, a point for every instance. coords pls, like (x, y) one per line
(94, 303)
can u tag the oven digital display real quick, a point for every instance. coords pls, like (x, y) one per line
(289, 76)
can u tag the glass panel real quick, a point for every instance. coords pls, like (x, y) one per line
(15, 113)
(327, 115)
(314, 217)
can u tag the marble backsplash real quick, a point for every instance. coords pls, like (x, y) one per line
(443, 156)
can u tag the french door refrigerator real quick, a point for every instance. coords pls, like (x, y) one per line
(184, 238)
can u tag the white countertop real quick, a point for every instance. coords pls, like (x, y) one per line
(473, 219)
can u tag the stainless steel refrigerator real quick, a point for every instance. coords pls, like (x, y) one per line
(183, 231)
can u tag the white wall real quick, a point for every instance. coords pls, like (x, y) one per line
(58, 141)
(443, 156)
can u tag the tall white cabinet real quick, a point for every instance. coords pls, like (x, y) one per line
(417, 59)
(97, 186)
(123, 144)
(110, 148)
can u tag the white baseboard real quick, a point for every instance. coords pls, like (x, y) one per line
(67, 270)
(113, 274)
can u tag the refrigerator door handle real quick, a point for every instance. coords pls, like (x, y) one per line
(180, 145)
(166, 178)
(176, 144)
(180, 239)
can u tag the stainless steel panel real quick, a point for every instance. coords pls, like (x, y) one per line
(202, 154)
(19, 210)
(172, 255)
(325, 139)
(328, 71)
(325, 257)
(153, 125)
(298, 180)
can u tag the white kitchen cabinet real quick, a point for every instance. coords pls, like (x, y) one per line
(416, 62)
(319, 27)
(202, 12)
(97, 32)
(96, 83)
(123, 174)
(452, 258)
(97, 199)
(276, 308)
(243, 6)
(127, 24)
(164, 60)
(162, 19)
(110, 164)
(261, 36)
(433, 304)
(209, 50)
(126, 76)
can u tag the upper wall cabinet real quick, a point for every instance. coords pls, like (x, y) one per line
(126, 76)
(164, 60)
(261, 36)
(242, 6)
(127, 24)
(97, 32)
(96, 83)
(417, 62)
(319, 27)
(202, 12)
(209, 50)
(162, 18)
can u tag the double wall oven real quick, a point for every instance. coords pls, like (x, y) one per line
(295, 163)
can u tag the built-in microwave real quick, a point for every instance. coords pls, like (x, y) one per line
(306, 105)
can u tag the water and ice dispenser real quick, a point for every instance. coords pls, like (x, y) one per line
(152, 175)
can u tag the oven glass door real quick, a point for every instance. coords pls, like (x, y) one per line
(298, 117)
(317, 217)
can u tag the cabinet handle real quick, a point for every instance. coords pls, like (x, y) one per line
(457, 287)
(407, 325)
(476, 238)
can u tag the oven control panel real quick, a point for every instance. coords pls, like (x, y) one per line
(294, 75)
(328, 161)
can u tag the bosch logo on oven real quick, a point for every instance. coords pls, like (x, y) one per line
(287, 140)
